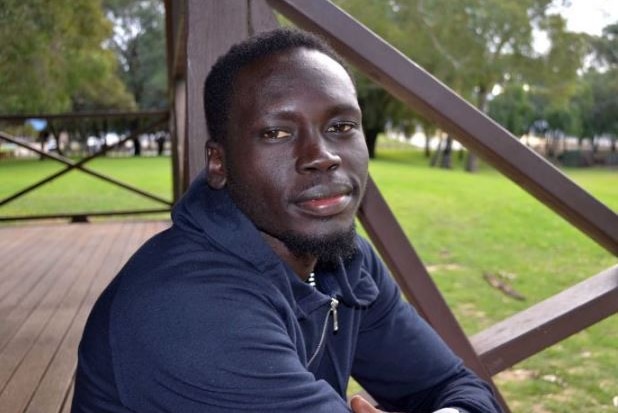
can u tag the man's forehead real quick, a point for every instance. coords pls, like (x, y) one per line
(293, 63)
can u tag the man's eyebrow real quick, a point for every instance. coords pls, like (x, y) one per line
(344, 107)
(289, 113)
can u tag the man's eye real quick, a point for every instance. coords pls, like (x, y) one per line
(276, 134)
(341, 127)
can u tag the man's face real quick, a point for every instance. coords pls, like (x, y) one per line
(296, 158)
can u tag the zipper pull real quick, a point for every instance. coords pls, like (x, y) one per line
(333, 308)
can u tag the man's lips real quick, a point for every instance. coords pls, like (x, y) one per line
(325, 200)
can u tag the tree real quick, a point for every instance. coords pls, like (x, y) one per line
(52, 59)
(379, 109)
(139, 43)
(513, 109)
(471, 45)
(602, 119)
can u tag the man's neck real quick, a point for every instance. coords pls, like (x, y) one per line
(301, 265)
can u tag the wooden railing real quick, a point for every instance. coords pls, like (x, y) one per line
(203, 29)
(160, 122)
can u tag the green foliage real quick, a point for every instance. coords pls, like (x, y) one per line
(602, 114)
(472, 46)
(513, 109)
(139, 44)
(556, 80)
(584, 105)
(598, 97)
(52, 59)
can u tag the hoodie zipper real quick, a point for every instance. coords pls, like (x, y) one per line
(333, 309)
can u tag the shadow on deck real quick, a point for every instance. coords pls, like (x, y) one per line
(50, 277)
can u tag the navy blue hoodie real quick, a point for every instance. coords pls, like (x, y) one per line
(206, 318)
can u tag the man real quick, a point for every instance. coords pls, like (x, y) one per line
(261, 297)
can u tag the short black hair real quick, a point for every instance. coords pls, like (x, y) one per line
(219, 84)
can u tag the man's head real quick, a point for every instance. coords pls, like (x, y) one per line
(219, 86)
(287, 141)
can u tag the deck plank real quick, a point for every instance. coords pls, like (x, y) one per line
(28, 352)
(28, 262)
(27, 377)
(42, 288)
(8, 243)
(42, 317)
(58, 378)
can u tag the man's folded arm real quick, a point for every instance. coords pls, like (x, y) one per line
(405, 365)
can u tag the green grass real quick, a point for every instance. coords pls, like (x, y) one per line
(462, 225)
(77, 192)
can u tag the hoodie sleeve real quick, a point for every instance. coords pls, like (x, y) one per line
(211, 347)
(404, 364)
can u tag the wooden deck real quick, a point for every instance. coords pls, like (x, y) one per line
(50, 276)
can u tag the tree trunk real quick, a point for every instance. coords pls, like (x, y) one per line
(371, 136)
(43, 135)
(137, 147)
(471, 162)
(446, 161)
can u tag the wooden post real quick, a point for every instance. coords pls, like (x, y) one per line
(178, 128)
(213, 26)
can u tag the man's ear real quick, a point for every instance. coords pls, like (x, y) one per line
(215, 165)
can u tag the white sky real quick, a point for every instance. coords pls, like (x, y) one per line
(589, 16)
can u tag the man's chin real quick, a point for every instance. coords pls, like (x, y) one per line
(328, 249)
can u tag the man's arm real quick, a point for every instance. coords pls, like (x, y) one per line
(404, 364)
(360, 405)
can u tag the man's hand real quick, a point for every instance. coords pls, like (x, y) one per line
(360, 405)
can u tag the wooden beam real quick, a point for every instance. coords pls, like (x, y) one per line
(81, 216)
(176, 39)
(82, 115)
(179, 138)
(548, 322)
(261, 17)
(213, 26)
(427, 95)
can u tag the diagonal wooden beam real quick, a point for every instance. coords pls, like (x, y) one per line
(427, 95)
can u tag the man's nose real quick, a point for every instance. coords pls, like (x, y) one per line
(316, 154)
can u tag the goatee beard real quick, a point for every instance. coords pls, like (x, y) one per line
(328, 250)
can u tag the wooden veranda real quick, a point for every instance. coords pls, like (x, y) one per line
(50, 277)
(55, 272)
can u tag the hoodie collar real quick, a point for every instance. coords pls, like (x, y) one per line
(211, 214)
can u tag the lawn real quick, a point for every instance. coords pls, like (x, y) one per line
(462, 225)
(77, 192)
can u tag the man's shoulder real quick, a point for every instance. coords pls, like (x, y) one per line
(175, 258)
(371, 261)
